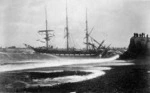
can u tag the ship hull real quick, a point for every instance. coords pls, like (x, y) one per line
(69, 53)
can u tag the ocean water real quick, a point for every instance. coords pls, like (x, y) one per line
(55, 70)
(11, 62)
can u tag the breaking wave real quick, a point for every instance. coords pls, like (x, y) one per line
(18, 61)
(13, 57)
(66, 79)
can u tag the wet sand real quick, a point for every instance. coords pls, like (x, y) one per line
(120, 79)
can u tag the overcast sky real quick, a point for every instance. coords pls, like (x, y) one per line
(114, 21)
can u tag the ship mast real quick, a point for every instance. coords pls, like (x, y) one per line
(47, 38)
(67, 29)
(87, 35)
(46, 31)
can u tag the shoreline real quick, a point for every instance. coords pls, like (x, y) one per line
(122, 79)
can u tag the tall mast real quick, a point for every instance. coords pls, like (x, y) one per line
(46, 31)
(47, 38)
(67, 29)
(87, 36)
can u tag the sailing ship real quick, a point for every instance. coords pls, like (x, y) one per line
(91, 49)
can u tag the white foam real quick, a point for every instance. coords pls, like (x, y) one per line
(53, 63)
(67, 79)
(54, 71)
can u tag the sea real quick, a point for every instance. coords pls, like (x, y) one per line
(32, 73)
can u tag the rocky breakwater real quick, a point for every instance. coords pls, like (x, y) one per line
(139, 46)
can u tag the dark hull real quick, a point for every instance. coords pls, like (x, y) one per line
(69, 52)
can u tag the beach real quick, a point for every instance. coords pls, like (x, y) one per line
(57, 75)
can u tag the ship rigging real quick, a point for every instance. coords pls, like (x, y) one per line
(95, 51)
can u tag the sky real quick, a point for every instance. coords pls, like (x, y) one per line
(114, 21)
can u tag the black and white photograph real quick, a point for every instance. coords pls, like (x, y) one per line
(74, 46)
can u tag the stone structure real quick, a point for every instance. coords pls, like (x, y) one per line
(139, 46)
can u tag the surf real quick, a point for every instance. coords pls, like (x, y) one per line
(32, 61)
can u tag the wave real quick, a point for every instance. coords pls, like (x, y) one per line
(50, 63)
(15, 57)
(67, 79)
